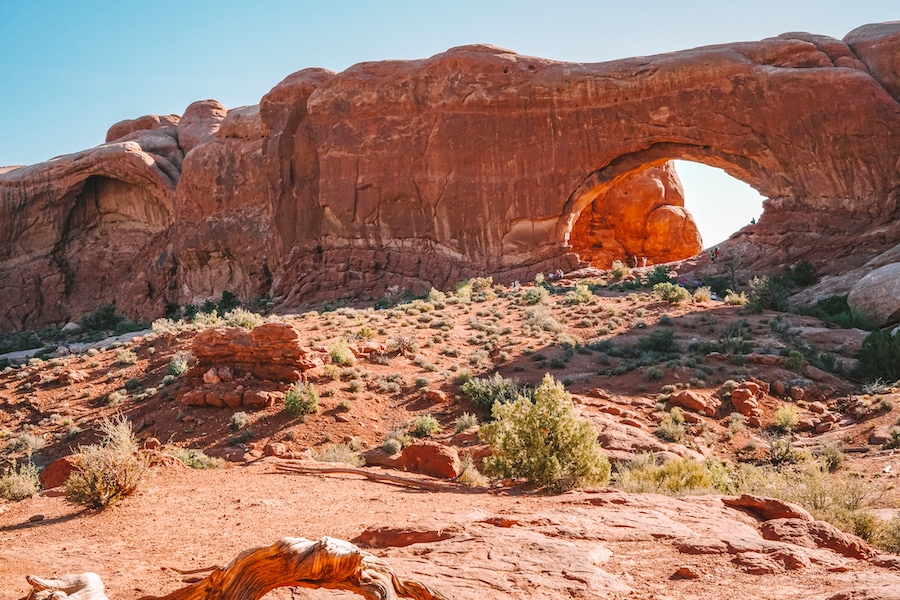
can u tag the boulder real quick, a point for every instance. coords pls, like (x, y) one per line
(744, 401)
(877, 296)
(430, 458)
(199, 123)
(768, 508)
(694, 401)
(816, 534)
(57, 473)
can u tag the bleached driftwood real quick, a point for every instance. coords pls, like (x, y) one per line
(300, 467)
(290, 562)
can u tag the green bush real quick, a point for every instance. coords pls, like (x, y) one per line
(301, 399)
(425, 426)
(880, 356)
(582, 294)
(246, 319)
(660, 274)
(768, 293)
(661, 340)
(465, 422)
(19, 484)
(785, 418)
(702, 294)
(489, 391)
(670, 292)
(109, 470)
(536, 295)
(543, 441)
(196, 459)
(618, 270)
(671, 426)
(675, 477)
(341, 354)
(179, 363)
(803, 274)
(104, 318)
(794, 360)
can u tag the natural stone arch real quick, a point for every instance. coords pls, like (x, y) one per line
(631, 171)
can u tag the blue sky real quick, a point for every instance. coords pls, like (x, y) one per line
(69, 70)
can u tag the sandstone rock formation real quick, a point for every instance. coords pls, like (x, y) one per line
(643, 216)
(475, 161)
(877, 296)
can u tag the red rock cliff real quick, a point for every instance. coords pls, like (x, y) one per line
(474, 161)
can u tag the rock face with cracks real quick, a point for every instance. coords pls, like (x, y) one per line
(475, 161)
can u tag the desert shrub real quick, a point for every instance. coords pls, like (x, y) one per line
(880, 356)
(670, 292)
(543, 441)
(104, 318)
(619, 271)
(653, 374)
(239, 420)
(803, 274)
(794, 360)
(660, 274)
(425, 426)
(676, 477)
(238, 317)
(661, 340)
(391, 445)
(196, 458)
(126, 357)
(179, 363)
(702, 294)
(465, 422)
(340, 353)
(402, 344)
(582, 294)
(671, 426)
(782, 452)
(19, 484)
(832, 456)
(539, 317)
(109, 470)
(469, 475)
(785, 418)
(301, 399)
(488, 391)
(733, 298)
(340, 453)
(437, 298)
(768, 293)
(888, 537)
(535, 295)
(116, 397)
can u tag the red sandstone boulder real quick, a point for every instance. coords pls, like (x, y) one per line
(816, 534)
(199, 123)
(694, 401)
(744, 401)
(57, 473)
(642, 216)
(768, 508)
(147, 122)
(430, 458)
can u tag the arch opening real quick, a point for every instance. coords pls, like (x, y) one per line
(644, 211)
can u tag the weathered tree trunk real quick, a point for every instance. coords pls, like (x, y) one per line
(328, 563)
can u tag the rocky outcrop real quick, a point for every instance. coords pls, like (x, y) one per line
(643, 216)
(475, 161)
(877, 296)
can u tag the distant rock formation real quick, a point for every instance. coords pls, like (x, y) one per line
(476, 161)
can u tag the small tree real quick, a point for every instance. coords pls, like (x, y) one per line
(544, 441)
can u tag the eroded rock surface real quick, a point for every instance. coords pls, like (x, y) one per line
(475, 161)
